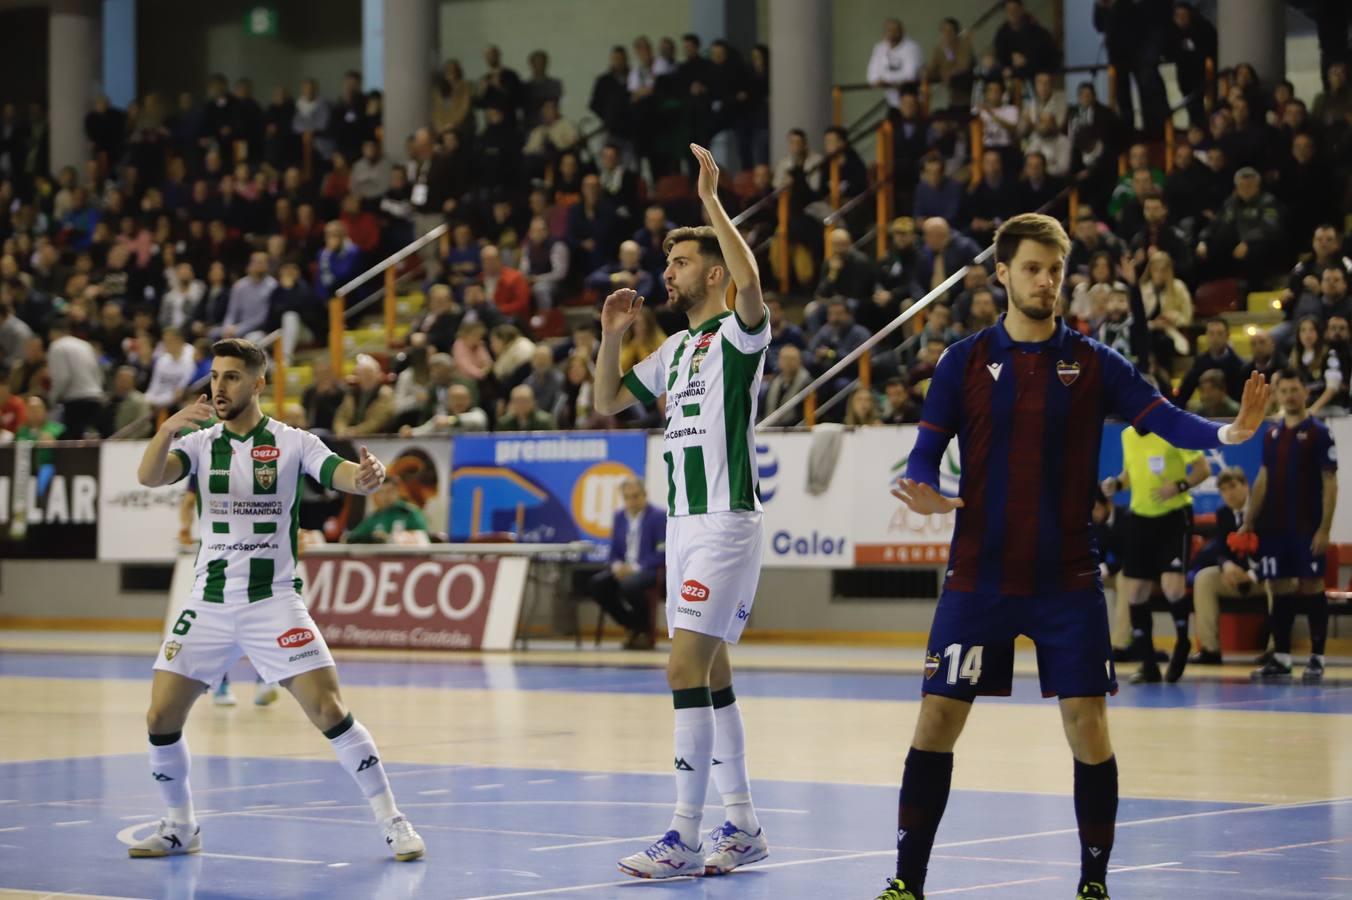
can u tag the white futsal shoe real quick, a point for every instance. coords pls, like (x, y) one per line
(405, 843)
(223, 695)
(265, 693)
(667, 858)
(169, 839)
(733, 847)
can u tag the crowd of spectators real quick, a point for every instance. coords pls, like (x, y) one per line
(225, 216)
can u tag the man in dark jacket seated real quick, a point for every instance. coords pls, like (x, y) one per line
(637, 552)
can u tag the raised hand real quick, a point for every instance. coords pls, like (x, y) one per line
(194, 415)
(923, 499)
(370, 472)
(708, 172)
(1252, 408)
(620, 310)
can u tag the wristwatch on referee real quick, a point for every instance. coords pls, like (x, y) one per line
(1182, 485)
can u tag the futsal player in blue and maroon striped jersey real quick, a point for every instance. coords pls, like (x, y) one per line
(1291, 509)
(1026, 399)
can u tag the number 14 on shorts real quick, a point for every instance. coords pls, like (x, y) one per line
(963, 665)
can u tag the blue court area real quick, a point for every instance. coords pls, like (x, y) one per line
(1232, 691)
(296, 828)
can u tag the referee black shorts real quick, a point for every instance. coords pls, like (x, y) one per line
(1154, 545)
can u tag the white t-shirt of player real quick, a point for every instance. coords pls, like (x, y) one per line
(248, 505)
(711, 376)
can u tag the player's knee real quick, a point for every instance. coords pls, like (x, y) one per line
(160, 720)
(939, 726)
(685, 673)
(327, 710)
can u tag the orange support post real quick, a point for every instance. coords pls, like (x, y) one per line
(837, 106)
(925, 96)
(782, 239)
(1112, 88)
(307, 154)
(1170, 140)
(1018, 94)
(1073, 206)
(336, 304)
(390, 310)
(1121, 165)
(1209, 89)
(444, 244)
(866, 369)
(976, 139)
(810, 409)
(278, 379)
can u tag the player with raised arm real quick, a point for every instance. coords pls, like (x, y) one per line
(1291, 510)
(711, 377)
(1026, 399)
(246, 595)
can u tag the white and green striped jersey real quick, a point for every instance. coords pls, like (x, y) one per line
(248, 507)
(711, 377)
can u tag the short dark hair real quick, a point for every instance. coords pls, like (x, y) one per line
(798, 132)
(841, 133)
(1286, 372)
(704, 235)
(1231, 474)
(692, 37)
(1217, 320)
(895, 381)
(1029, 227)
(255, 362)
(1213, 377)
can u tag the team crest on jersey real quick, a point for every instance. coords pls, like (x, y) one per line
(1067, 372)
(265, 476)
(171, 649)
(931, 664)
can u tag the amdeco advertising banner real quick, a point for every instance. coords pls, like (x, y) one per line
(49, 500)
(415, 602)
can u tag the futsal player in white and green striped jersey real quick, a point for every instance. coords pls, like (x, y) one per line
(246, 594)
(710, 376)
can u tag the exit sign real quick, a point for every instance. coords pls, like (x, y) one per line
(261, 21)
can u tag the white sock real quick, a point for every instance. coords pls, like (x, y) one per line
(694, 742)
(1283, 658)
(357, 754)
(169, 766)
(729, 770)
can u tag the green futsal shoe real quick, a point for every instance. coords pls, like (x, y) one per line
(1092, 890)
(897, 890)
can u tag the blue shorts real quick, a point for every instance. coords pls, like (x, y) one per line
(1282, 554)
(971, 644)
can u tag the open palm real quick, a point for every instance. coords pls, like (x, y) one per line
(1252, 408)
(921, 498)
(708, 172)
(620, 310)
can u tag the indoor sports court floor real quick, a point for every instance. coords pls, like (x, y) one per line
(528, 776)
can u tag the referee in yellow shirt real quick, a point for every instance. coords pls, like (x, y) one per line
(1156, 541)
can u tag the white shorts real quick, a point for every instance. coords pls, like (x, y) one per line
(277, 634)
(713, 567)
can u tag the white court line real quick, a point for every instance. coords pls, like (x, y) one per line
(1163, 865)
(264, 806)
(998, 884)
(594, 777)
(601, 842)
(1275, 849)
(541, 781)
(276, 859)
(339, 865)
(485, 787)
(71, 822)
(320, 802)
(196, 793)
(14, 828)
(431, 792)
(425, 826)
(30, 894)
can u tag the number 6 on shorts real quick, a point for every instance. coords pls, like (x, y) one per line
(184, 621)
(970, 667)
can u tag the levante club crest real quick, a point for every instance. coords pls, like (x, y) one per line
(931, 664)
(1067, 372)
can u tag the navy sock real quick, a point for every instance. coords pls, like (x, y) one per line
(1283, 617)
(1317, 609)
(1096, 815)
(1142, 633)
(1178, 611)
(924, 794)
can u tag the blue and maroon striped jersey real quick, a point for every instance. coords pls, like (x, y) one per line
(1295, 460)
(1029, 421)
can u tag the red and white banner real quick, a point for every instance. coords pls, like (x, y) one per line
(414, 602)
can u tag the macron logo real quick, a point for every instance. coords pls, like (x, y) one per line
(994, 369)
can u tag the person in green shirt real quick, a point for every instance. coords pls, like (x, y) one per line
(1156, 540)
(522, 413)
(1212, 400)
(392, 516)
(37, 427)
